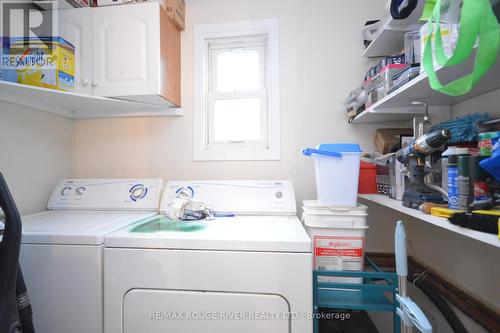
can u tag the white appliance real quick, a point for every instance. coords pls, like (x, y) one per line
(62, 248)
(247, 271)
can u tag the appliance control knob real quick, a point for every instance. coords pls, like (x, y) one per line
(65, 190)
(279, 194)
(138, 192)
(80, 190)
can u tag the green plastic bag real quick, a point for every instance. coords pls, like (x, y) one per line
(477, 23)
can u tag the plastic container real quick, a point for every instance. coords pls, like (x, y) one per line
(485, 142)
(336, 247)
(367, 178)
(318, 215)
(337, 173)
(466, 167)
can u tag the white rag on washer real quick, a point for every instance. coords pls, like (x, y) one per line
(186, 209)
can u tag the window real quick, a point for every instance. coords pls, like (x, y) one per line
(236, 106)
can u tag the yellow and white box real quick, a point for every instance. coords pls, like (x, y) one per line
(47, 62)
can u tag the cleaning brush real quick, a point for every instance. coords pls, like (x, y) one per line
(463, 129)
(480, 222)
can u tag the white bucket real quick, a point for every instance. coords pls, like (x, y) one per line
(336, 216)
(335, 247)
(337, 173)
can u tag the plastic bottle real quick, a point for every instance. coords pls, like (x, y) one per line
(466, 166)
(481, 188)
(485, 142)
(444, 163)
(453, 202)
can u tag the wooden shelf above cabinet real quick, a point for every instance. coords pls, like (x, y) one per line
(79, 106)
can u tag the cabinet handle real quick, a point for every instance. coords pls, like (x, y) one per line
(95, 83)
(85, 82)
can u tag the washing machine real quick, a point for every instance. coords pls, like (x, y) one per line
(246, 271)
(62, 248)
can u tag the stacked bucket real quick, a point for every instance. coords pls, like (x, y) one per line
(335, 221)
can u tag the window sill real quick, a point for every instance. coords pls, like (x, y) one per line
(237, 155)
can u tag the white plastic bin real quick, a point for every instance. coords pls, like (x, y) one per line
(338, 216)
(337, 173)
(336, 245)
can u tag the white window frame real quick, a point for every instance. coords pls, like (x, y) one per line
(269, 150)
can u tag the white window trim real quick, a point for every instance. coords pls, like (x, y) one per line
(248, 28)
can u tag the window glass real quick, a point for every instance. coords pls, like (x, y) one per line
(237, 120)
(238, 70)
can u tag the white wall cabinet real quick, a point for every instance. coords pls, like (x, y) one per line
(130, 52)
(75, 25)
(126, 50)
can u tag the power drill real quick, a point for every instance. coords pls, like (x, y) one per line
(413, 157)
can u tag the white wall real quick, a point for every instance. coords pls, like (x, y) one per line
(484, 103)
(320, 63)
(36, 150)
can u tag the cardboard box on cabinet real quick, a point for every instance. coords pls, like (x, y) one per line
(176, 11)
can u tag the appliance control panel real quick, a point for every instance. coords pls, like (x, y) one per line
(106, 194)
(239, 197)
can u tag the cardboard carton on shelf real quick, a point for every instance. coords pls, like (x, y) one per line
(385, 138)
(47, 62)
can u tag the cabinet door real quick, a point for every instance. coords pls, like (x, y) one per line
(126, 50)
(75, 25)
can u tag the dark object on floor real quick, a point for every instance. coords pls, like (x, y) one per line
(9, 257)
(24, 304)
(15, 308)
(358, 322)
(479, 222)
